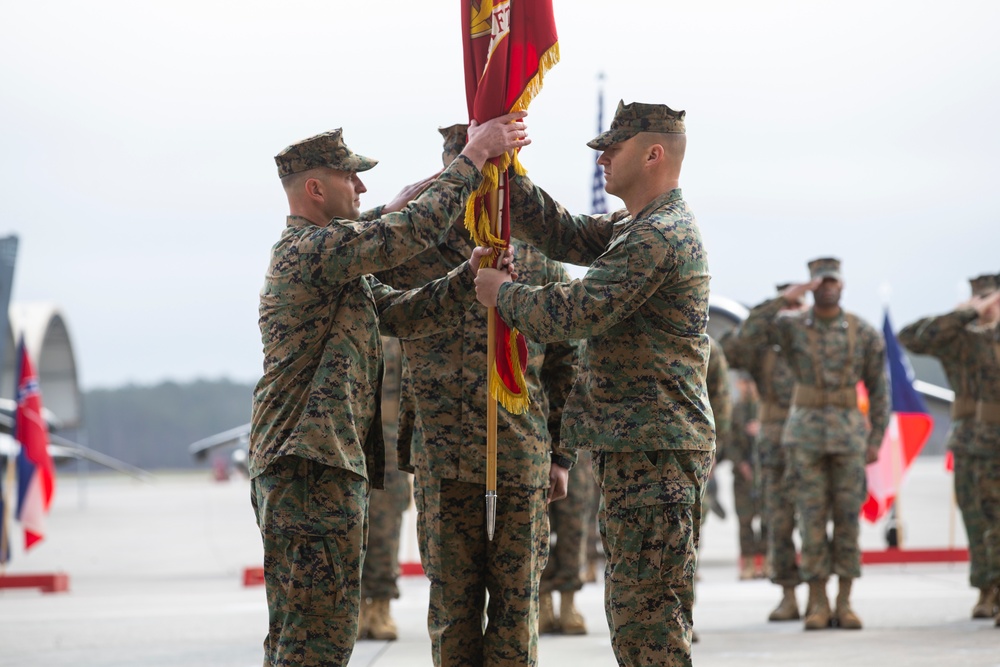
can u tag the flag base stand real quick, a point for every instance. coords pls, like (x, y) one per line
(57, 582)
(900, 556)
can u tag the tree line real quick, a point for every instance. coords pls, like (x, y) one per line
(152, 426)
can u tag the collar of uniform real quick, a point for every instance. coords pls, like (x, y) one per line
(666, 198)
(839, 321)
(659, 202)
(299, 221)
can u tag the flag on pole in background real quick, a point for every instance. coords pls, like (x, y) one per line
(598, 204)
(35, 473)
(909, 427)
(508, 47)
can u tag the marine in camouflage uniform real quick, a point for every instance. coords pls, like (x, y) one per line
(827, 437)
(385, 514)
(741, 450)
(640, 402)
(315, 438)
(775, 382)
(985, 453)
(445, 447)
(951, 338)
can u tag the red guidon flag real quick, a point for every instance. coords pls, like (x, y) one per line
(509, 45)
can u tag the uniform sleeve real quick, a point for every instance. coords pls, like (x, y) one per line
(615, 286)
(719, 396)
(937, 336)
(761, 328)
(345, 250)
(558, 375)
(545, 224)
(437, 306)
(373, 214)
(877, 383)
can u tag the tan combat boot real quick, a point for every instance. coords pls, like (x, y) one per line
(547, 622)
(570, 619)
(380, 623)
(788, 608)
(846, 618)
(746, 568)
(818, 609)
(986, 607)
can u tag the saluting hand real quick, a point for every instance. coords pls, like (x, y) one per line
(796, 293)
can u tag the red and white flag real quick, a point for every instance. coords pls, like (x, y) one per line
(36, 477)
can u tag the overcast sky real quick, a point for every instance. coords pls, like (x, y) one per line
(137, 143)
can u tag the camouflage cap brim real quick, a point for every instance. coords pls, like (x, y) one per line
(358, 163)
(606, 140)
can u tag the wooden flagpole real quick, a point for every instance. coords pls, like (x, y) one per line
(496, 213)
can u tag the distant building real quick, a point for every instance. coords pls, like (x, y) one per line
(50, 347)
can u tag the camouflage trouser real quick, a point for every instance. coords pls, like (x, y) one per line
(314, 522)
(463, 565)
(748, 507)
(568, 520)
(385, 520)
(829, 485)
(591, 503)
(779, 515)
(972, 516)
(987, 474)
(650, 522)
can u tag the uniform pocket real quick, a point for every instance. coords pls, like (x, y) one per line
(650, 532)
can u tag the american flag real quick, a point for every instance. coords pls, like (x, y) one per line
(598, 204)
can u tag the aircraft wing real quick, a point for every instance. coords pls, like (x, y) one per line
(235, 436)
(61, 449)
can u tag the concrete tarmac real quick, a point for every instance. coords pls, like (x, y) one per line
(156, 581)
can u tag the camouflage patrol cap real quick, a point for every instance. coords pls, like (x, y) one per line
(323, 150)
(455, 138)
(825, 267)
(984, 284)
(631, 119)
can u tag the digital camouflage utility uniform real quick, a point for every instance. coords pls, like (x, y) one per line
(445, 446)
(640, 402)
(952, 340)
(774, 379)
(826, 435)
(741, 450)
(315, 439)
(985, 454)
(386, 507)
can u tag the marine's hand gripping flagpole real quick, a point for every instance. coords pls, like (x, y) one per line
(508, 46)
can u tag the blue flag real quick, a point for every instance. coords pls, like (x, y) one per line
(909, 427)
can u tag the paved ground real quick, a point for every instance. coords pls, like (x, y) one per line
(155, 581)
